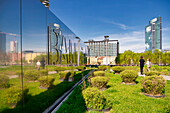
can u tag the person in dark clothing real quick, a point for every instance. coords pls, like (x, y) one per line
(142, 62)
(43, 63)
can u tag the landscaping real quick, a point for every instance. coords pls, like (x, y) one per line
(123, 98)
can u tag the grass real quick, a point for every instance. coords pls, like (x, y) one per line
(38, 99)
(124, 98)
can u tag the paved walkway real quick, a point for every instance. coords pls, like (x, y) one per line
(165, 77)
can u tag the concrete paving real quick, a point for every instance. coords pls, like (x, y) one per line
(165, 77)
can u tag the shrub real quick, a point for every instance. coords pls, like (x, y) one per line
(44, 72)
(129, 76)
(46, 81)
(95, 99)
(64, 75)
(60, 69)
(99, 82)
(150, 73)
(14, 94)
(165, 72)
(98, 73)
(80, 68)
(102, 68)
(153, 84)
(31, 75)
(132, 68)
(118, 69)
(4, 81)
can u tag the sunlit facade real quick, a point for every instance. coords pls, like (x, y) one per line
(102, 52)
(153, 34)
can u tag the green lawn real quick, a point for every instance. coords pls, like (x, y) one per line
(124, 98)
(38, 99)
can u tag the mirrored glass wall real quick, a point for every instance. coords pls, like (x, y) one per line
(33, 42)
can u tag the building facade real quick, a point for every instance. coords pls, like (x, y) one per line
(102, 52)
(153, 34)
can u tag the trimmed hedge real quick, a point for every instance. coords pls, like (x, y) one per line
(4, 81)
(118, 69)
(150, 73)
(98, 73)
(64, 75)
(58, 69)
(46, 81)
(14, 94)
(153, 85)
(102, 68)
(129, 76)
(95, 99)
(44, 72)
(165, 72)
(31, 75)
(99, 82)
(80, 68)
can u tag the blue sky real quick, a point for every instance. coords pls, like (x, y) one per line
(123, 20)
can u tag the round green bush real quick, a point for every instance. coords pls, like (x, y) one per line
(46, 81)
(165, 72)
(80, 68)
(129, 76)
(98, 73)
(4, 81)
(150, 73)
(44, 72)
(102, 68)
(64, 75)
(95, 99)
(99, 82)
(14, 94)
(118, 69)
(153, 85)
(31, 75)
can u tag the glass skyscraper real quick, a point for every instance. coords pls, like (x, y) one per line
(153, 34)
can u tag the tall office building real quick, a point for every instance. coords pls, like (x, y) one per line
(153, 34)
(102, 52)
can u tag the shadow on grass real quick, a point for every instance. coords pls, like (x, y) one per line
(38, 103)
(74, 104)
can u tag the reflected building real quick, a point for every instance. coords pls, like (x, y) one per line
(102, 52)
(2, 47)
(153, 34)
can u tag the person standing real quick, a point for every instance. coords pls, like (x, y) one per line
(142, 62)
(148, 64)
(38, 64)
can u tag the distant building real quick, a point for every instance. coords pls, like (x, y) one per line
(2, 48)
(153, 34)
(102, 52)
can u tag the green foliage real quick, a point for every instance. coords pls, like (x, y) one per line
(135, 68)
(64, 75)
(99, 82)
(153, 84)
(118, 69)
(95, 99)
(44, 72)
(165, 72)
(46, 81)
(4, 81)
(150, 73)
(31, 75)
(14, 94)
(80, 68)
(60, 69)
(129, 76)
(102, 68)
(98, 73)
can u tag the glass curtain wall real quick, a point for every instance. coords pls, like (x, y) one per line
(33, 41)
